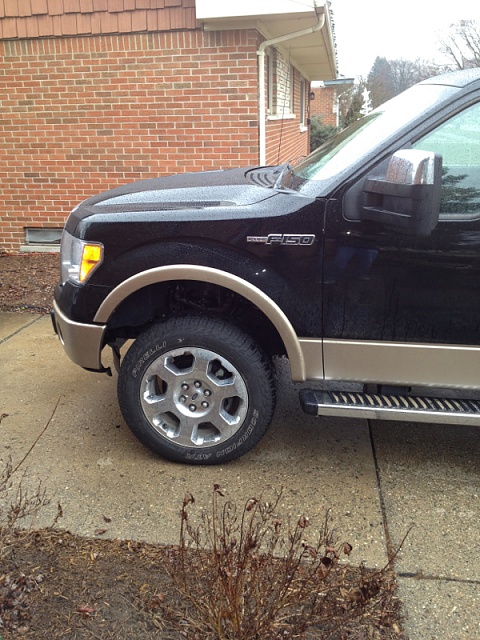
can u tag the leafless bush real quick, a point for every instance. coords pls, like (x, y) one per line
(249, 575)
(21, 504)
(18, 506)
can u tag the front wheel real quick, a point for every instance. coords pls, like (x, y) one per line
(196, 390)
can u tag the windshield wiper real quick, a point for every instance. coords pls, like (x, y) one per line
(286, 169)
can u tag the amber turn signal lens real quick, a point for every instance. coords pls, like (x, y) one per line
(92, 255)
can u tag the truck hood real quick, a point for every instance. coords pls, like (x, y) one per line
(211, 189)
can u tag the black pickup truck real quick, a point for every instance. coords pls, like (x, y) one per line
(360, 264)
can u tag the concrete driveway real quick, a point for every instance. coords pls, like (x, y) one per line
(64, 428)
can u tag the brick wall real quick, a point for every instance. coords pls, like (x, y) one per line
(324, 105)
(96, 93)
(83, 114)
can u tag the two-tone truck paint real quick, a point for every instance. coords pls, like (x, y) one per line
(360, 264)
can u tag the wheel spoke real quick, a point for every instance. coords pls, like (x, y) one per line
(226, 424)
(154, 405)
(225, 390)
(202, 362)
(187, 432)
(162, 368)
(155, 390)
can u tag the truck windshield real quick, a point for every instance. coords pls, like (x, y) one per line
(361, 138)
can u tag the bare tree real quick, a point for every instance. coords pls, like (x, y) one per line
(461, 44)
(406, 73)
(388, 78)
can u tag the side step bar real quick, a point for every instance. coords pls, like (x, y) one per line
(348, 404)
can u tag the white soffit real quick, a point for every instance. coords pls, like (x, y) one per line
(312, 54)
(208, 9)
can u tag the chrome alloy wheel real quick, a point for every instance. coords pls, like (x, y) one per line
(194, 397)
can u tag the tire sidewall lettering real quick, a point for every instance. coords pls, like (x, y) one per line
(245, 435)
(147, 356)
(197, 457)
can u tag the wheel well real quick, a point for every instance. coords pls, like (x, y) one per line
(163, 300)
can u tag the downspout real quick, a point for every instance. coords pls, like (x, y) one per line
(261, 77)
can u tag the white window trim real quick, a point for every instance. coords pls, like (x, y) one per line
(279, 116)
(270, 59)
(302, 107)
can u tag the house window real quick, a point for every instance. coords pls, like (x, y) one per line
(302, 104)
(279, 86)
(284, 84)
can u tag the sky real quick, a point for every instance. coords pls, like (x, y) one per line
(407, 29)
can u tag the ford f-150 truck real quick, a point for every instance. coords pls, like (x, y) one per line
(360, 264)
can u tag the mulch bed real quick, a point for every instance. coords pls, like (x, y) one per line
(27, 281)
(54, 585)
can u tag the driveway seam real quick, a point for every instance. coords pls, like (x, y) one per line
(391, 550)
(426, 577)
(2, 340)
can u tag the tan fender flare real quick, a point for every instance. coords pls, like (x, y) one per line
(224, 279)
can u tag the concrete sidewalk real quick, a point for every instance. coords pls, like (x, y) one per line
(64, 427)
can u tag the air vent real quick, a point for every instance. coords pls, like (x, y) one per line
(264, 177)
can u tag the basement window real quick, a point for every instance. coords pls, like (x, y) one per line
(42, 239)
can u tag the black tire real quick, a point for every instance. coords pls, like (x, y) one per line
(196, 390)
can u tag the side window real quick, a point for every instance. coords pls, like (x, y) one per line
(458, 142)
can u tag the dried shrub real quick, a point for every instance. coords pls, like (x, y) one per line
(17, 506)
(247, 574)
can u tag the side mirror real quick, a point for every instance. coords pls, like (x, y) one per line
(408, 199)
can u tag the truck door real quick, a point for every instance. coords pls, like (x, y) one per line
(402, 309)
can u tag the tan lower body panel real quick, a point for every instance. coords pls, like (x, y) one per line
(395, 363)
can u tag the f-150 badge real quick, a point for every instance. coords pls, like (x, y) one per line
(302, 239)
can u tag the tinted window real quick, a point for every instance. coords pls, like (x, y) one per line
(458, 142)
(365, 135)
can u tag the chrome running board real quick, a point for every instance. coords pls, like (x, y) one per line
(348, 404)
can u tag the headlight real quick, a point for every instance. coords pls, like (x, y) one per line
(78, 258)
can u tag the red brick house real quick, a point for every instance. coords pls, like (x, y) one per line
(326, 98)
(96, 93)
